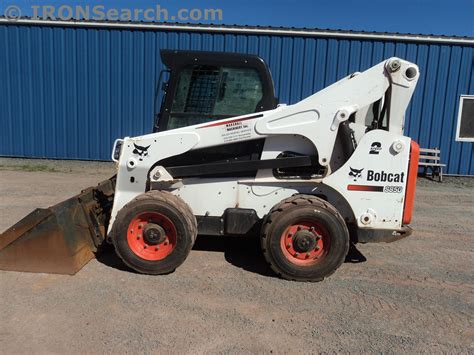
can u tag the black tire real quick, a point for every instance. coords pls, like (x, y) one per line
(287, 258)
(178, 228)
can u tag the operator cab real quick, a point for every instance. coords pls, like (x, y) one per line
(209, 86)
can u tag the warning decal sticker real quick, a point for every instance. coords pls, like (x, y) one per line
(235, 131)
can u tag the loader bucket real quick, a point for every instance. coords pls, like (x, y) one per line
(60, 239)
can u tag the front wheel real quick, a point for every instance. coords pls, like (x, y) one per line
(304, 238)
(154, 233)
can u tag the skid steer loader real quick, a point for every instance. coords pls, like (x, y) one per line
(226, 159)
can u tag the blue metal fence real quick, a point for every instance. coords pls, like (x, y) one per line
(68, 92)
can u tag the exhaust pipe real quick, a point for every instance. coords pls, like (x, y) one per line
(60, 239)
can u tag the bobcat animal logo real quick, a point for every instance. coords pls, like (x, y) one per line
(355, 173)
(141, 151)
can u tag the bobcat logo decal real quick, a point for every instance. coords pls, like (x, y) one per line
(355, 173)
(141, 151)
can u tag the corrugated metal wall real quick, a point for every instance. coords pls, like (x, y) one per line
(68, 92)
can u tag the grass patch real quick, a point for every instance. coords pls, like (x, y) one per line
(30, 168)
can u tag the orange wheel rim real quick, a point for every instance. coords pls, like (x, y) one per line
(305, 243)
(151, 236)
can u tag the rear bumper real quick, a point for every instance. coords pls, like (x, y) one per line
(382, 235)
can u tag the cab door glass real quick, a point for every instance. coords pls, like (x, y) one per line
(239, 93)
(207, 93)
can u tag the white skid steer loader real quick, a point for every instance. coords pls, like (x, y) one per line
(226, 159)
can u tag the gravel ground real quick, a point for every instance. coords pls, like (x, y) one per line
(415, 295)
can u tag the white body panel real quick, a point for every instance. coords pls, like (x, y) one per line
(210, 197)
(383, 208)
(306, 127)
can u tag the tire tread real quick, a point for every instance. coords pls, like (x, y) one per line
(165, 197)
(283, 206)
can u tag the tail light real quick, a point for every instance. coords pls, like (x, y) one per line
(411, 182)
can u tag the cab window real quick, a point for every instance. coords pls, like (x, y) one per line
(206, 93)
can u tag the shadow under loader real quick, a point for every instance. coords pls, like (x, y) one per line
(60, 239)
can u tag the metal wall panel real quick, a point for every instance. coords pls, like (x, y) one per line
(68, 92)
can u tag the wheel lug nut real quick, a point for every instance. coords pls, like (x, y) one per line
(317, 247)
(312, 228)
(299, 228)
(290, 235)
(297, 254)
(288, 245)
(145, 247)
(308, 255)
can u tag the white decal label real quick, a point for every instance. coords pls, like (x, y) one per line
(236, 131)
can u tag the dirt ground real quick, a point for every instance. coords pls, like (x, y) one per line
(415, 295)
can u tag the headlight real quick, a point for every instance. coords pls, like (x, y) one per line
(117, 149)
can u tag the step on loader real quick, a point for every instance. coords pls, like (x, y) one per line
(226, 159)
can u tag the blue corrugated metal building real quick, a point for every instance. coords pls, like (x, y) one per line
(68, 89)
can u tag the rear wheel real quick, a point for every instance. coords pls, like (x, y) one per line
(304, 238)
(154, 233)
